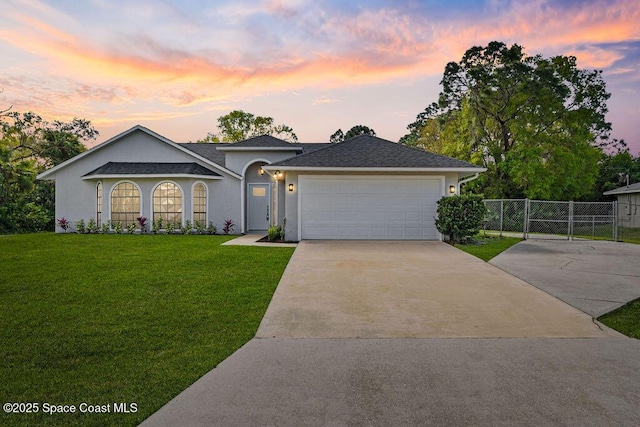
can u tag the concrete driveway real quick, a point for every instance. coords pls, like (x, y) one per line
(593, 276)
(359, 289)
(388, 291)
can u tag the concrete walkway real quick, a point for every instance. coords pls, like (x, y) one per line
(593, 276)
(590, 377)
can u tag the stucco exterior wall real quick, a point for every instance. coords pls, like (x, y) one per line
(76, 198)
(629, 210)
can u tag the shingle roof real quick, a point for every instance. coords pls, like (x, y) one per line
(124, 168)
(366, 151)
(633, 188)
(208, 151)
(262, 141)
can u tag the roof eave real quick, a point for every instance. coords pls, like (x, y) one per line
(618, 192)
(139, 175)
(370, 169)
(231, 148)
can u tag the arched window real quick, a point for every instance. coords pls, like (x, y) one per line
(167, 203)
(199, 203)
(99, 204)
(125, 204)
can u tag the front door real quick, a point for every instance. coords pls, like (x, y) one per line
(259, 206)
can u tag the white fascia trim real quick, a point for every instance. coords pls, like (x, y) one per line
(347, 169)
(74, 159)
(299, 149)
(618, 193)
(138, 176)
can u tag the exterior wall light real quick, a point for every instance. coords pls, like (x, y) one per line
(278, 174)
(261, 171)
(452, 189)
(290, 187)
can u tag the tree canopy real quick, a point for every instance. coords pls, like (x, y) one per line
(339, 136)
(29, 145)
(537, 124)
(239, 125)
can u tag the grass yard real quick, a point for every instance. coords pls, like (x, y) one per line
(625, 320)
(629, 235)
(113, 319)
(488, 247)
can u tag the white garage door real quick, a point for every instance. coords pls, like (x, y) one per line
(369, 207)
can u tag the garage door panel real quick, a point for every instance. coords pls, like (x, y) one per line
(348, 207)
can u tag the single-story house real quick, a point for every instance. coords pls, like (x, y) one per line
(362, 188)
(628, 202)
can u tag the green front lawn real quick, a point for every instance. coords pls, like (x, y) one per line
(625, 320)
(104, 319)
(488, 247)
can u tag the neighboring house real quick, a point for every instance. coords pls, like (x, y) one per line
(362, 188)
(628, 202)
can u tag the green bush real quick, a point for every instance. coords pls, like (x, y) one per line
(460, 217)
(274, 233)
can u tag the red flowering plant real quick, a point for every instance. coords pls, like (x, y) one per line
(228, 226)
(143, 223)
(64, 224)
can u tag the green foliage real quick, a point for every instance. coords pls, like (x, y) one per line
(118, 227)
(92, 226)
(200, 227)
(212, 228)
(239, 125)
(103, 318)
(80, 227)
(537, 124)
(339, 136)
(187, 227)
(170, 227)
(460, 217)
(275, 232)
(614, 170)
(106, 227)
(131, 228)
(29, 145)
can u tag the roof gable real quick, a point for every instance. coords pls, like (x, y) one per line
(366, 151)
(138, 128)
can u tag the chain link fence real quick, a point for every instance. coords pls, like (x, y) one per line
(552, 219)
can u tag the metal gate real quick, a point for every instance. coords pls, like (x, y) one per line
(552, 219)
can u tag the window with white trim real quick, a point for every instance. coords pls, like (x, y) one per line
(199, 197)
(167, 203)
(125, 204)
(99, 204)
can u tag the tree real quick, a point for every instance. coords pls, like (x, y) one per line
(339, 136)
(616, 169)
(239, 125)
(29, 145)
(537, 124)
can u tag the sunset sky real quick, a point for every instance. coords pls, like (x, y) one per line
(176, 66)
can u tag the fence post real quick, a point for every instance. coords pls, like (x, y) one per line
(525, 226)
(570, 222)
(501, 214)
(615, 220)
